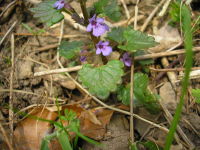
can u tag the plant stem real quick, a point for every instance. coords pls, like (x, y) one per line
(186, 24)
(131, 105)
(86, 19)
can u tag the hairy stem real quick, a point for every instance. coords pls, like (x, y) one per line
(86, 19)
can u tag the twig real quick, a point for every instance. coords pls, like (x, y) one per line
(45, 48)
(48, 34)
(55, 71)
(126, 9)
(180, 131)
(131, 105)
(172, 69)
(152, 15)
(193, 75)
(128, 22)
(6, 137)
(163, 54)
(8, 32)
(191, 126)
(11, 87)
(25, 92)
(165, 6)
(136, 15)
(9, 5)
(171, 75)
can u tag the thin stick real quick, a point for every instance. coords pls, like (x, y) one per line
(164, 9)
(8, 32)
(172, 69)
(128, 22)
(9, 5)
(6, 137)
(41, 49)
(132, 85)
(136, 15)
(131, 105)
(25, 92)
(152, 15)
(55, 71)
(11, 87)
(169, 118)
(125, 9)
(171, 75)
(163, 54)
(143, 57)
(48, 34)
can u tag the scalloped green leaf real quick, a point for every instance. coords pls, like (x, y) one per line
(116, 35)
(108, 8)
(143, 95)
(123, 94)
(136, 40)
(196, 95)
(69, 49)
(47, 13)
(102, 80)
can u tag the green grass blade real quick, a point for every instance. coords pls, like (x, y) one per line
(186, 24)
(64, 140)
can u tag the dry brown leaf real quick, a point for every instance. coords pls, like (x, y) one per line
(167, 37)
(96, 131)
(29, 132)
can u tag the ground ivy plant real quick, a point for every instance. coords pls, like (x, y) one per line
(104, 76)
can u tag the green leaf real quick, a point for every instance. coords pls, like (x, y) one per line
(47, 13)
(196, 95)
(64, 140)
(27, 27)
(136, 40)
(123, 94)
(102, 80)
(44, 145)
(175, 12)
(69, 49)
(116, 35)
(143, 95)
(140, 82)
(133, 146)
(188, 44)
(150, 145)
(108, 8)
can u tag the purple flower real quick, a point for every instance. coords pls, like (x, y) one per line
(102, 47)
(126, 59)
(97, 25)
(83, 58)
(59, 4)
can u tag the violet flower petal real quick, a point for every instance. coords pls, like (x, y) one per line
(126, 59)
(100, 20)
(107, 50)
(89, 28)
(98, 51)
(59, 4)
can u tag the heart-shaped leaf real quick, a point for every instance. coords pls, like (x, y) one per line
(102, 80)
(68, 49)
(136, 40)
(108, 8)
(47, 13)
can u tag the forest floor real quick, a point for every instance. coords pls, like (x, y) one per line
(23, 54)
